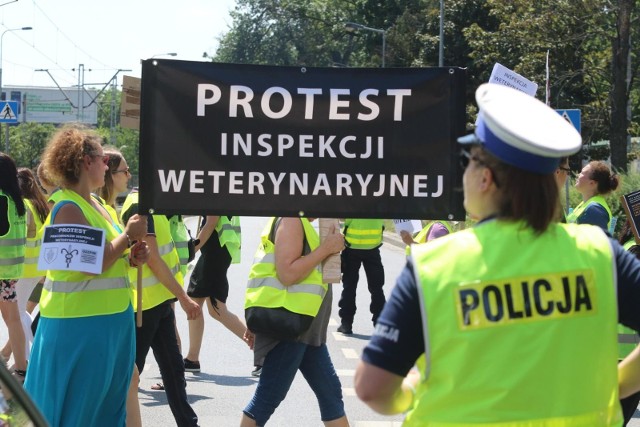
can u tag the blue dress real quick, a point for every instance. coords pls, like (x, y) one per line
(86, 364)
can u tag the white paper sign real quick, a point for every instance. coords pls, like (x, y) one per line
(411, 226)
(72, 247)
(503, 76)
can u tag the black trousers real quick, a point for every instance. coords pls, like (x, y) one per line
(351, 260)
(158, 333)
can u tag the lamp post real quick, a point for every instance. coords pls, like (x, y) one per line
(165, 54)
(1, 40)
(352, 26)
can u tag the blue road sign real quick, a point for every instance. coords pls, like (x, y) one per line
(572, 116)
(8, 111)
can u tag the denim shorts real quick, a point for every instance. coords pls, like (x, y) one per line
(279, 370)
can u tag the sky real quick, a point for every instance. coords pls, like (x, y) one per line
(103, 35)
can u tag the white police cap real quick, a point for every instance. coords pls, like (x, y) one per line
(521, 131)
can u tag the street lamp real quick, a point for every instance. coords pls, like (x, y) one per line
(1, 40)
(352, 26)
(165, 54)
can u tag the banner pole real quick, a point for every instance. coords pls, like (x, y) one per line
(139, 297)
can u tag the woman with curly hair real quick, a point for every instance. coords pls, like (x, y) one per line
(67, 352)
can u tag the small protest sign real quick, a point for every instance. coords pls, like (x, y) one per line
(631, 204)
(411, 226)
(72, 247)
(503, 76)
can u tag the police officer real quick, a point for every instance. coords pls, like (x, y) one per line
(514, 319)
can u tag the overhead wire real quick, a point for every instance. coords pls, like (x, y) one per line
(64, 72)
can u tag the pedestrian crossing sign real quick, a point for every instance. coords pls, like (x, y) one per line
(572, 116)
(8, 111)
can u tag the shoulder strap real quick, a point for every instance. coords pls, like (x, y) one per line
(57, 207)
(306, 249)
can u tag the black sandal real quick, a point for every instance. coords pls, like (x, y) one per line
(19, 375)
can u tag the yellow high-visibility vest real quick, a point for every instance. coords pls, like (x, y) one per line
(32, 251)
(12, 244)
(598, 199)
(265, 290)
(154, 292)
(363, 233)
(68, 294)
(515, 326)
(229, 235)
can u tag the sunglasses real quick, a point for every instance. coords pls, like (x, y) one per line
(124, 171)
(565, 169)
(465, 159)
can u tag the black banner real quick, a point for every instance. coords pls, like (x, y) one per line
(288, 141)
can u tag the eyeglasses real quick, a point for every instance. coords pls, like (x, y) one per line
(465, 159)
(124, 171)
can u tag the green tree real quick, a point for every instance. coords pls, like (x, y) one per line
(28, 140)
(286, 32)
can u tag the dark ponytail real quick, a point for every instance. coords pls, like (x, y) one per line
(9, 182)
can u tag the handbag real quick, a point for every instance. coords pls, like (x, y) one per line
(191, 246)
(278, 322)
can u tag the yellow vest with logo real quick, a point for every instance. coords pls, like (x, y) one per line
(265, 290)
(154, 292)
(519, 328)
(32, 251)
(230, 236)
(68, 294)
(12, 244)
(363, 233)
(600, 200)
(421, 237)
(180, 237)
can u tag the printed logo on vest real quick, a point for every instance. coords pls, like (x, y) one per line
(524, 299)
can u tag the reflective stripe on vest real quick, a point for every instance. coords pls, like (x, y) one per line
(363, 233)
(265, 290)
(32, 250)
(582, 206)
(506, 330)
(153, 280)
(71, 294)
(229, 235)
(154, 292)
(86, 285)
(12, 244)
(180, 237)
